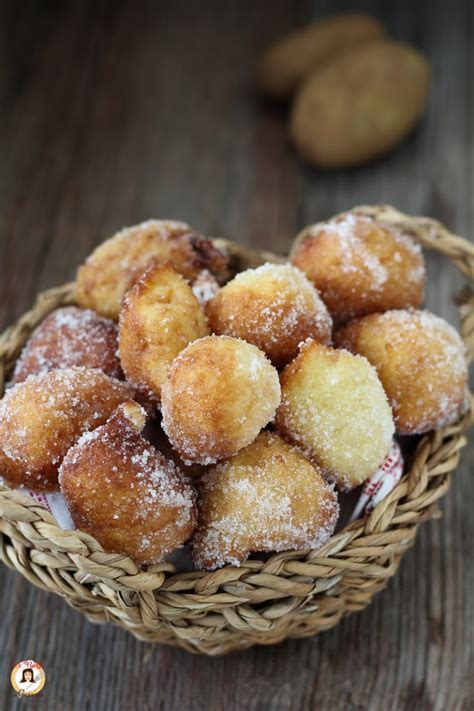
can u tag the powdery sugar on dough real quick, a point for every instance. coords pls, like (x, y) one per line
(275, 504)
(70, 337)
(122, 489)
(428, 356)
(44, 415)
(220, 392)
(272, 306)
(334, 407)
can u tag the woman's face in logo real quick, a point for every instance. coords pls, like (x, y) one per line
(27, 677)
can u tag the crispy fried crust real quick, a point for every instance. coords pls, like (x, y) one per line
(420, 360)
(219, 393)
(46, 414)
(70, 337)
(274, 307)
(125, 493)
(117, 264)
(360, 267)
(266, 498)
(160, 316)
(334, 407)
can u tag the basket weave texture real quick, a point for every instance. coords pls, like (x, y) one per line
(292, 594)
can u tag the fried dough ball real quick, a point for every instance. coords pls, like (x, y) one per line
(125, 493)
(333, 406)
(274, 307)
(159, 317)
(120, 261)
(155, 435)
(45, 415)
(420, 360)
(219, 393)
(360, 266)
(70, 337)
(266, 498)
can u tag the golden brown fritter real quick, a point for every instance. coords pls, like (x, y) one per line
(359, 266)
(114, 267)
(275, 307)
(45, 415)
(70, 337)
(125, 493)
(160, 316)
(219, 393)
(420, 359)
(334, 407)
(266, 498)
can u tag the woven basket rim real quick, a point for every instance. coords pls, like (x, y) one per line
(439, 449)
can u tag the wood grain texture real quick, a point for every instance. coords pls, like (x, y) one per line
(115, 112)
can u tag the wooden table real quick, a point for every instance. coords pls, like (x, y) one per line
(113, 113)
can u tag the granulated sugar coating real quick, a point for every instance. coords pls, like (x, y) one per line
(266, 498)
(219, 393)
(421, 362)
(70, 337)
(275, 307)
(46, 414)
(333, 406)
(159, 317)
(120, 261)
(360, 266)
(125, 493)
(205, 287)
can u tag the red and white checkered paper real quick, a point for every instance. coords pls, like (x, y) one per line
(380, 484)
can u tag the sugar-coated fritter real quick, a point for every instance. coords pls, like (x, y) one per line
(275, 307)
(266, 498)
(360, 266)
(219, 393)
(114, 267)
(160, 316)
(420, 359)
(46, 414)
(333, 406)
(125, 493)
(69, 337)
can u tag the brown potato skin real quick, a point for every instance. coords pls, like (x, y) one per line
(70, 337)
(420, 360)
(286, 63)
(360, 266)
(117, 264)
(160, 316)
(45, 415)
(274, 307)
(219, 393)
(360, 105)
(266, 498)
(109, 483)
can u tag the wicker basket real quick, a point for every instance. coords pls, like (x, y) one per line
(293, 594)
